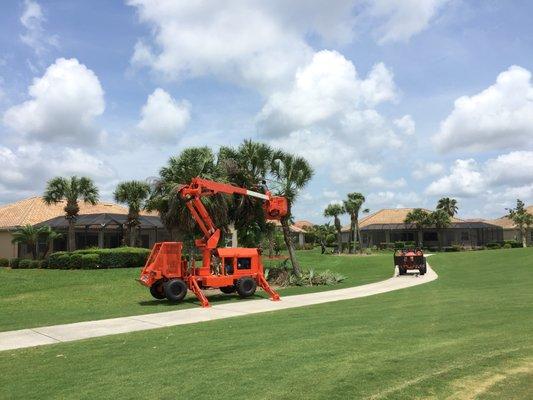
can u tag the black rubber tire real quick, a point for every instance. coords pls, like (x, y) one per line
(228, 289)
(175, 290)
(246, 287)
(401, 271)
(423, 270)
(157, 290)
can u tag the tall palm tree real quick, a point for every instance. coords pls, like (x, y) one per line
(421, 219)
(71, 190)
(522, 219)
(292, 174)
(448, 205)
(441, 219)
(180, 170)
(28, 235)
(246, 166)
(335, 210)
(134, 194)
(353, 205)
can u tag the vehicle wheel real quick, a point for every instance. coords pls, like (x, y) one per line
(246, 287)
(423, 270)
(401, 271)
(227, 289)
(175, 289)
(157, 290)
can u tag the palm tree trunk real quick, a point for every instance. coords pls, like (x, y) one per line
(359, 236)
(339, 241)
(34, 250)
(133, 235)
(351, 245)
(71, 235)
(287, 236)
(524, 237)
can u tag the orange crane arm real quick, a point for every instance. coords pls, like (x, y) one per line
(275, 206)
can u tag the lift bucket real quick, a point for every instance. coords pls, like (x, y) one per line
(276, 207)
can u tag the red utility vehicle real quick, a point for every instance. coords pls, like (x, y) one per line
(231, 269)
(410, 259)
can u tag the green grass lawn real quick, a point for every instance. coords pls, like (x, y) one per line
(31, 298)
(467, 335)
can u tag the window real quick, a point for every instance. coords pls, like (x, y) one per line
(465, 237)
(244, 263)
(431, 236)
(228, 266)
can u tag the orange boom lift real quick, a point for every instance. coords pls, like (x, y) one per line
(231, 269)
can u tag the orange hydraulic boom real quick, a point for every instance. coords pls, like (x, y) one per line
(169, 276)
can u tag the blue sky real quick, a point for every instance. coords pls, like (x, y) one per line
(405, 102)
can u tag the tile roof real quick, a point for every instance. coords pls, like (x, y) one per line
(33, 210)
(303, 224)
(388, 216)
(506, 223)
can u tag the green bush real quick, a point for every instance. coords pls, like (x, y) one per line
(4, 262)
(74, 261)
(493, 246)
(512, 243)
(451, 248)
(410, 245)
(507, 246)
(90, 261)
(305, 246)
(331, 240)
(44, 263)
(14, 263)
(386, 246)
(122, 257)
(25, 264)
(282, 275)
(399, 245)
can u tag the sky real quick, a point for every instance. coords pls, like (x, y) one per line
(405, 102)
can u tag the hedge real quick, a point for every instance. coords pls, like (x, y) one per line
(14, 263)
(121, 257)
(493, 246)
(4, 262)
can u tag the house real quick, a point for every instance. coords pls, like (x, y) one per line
(388, 226)
(297, 230)
(303, 224)
(101, 225)
(511, 231)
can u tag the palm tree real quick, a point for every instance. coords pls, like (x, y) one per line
(49, 235)
(247, 166)
(448, 205)
(321, 233)
(353, 205)
(71, 190)
(292, 174)
(179, 171)
(334, 210)
(134, 194)
(522, 219)
(421, 219)
(28, 235)
(441, 219)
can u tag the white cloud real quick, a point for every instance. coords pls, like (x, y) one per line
(499, 117)
(327, 89)
(65, 101)
(400, 20)
(163, 118)
(406, 125)
(423, 170)
(507, 173)
(392, 199)
(25, 169)
(35, 36)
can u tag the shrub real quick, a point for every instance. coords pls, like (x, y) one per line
(331, 240)
(90, 261)
(25, 264)
(74, 261)
(507, 246)
(410, 245)
(4, 262)
(512, 243)
(14, 262)
(451, 248)
(493, 246)
(385, 245)
(59, 260)
(399, 245)
(282, 275)
(44, 263)
(368, 251)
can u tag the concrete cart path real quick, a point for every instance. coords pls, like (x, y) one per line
(83, 330)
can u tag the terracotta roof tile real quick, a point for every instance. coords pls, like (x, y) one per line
(506, 223)
(33, 210)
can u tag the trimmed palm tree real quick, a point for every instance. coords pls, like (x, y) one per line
(71, 190)
(49, 235)
(134, 194)
(448, 205)
(522, 219)
(292, 174)
(421, 219)
(441, 219)
(335, 210)
(353, 205)
(321, 233)
(28, 235)
(179, 171)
